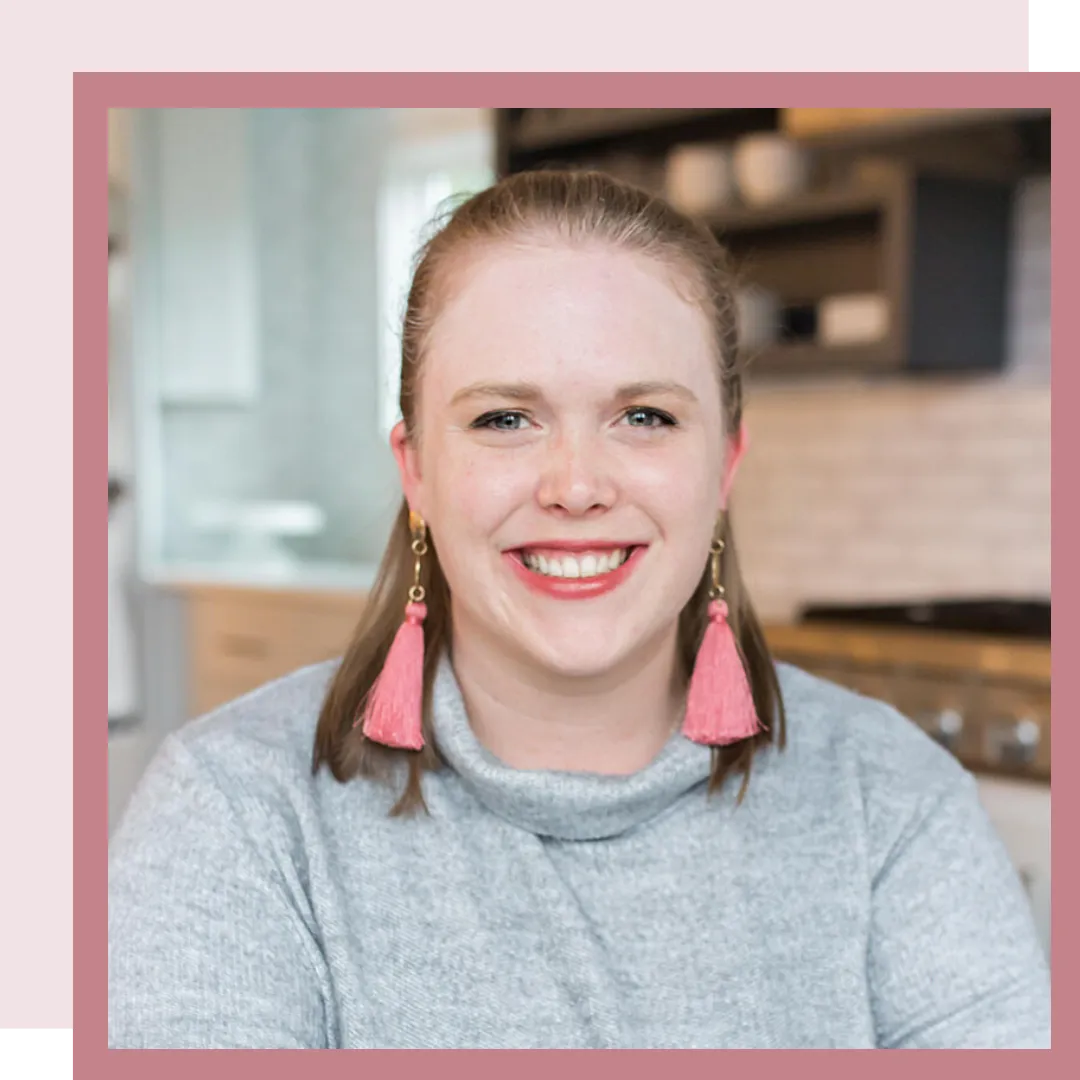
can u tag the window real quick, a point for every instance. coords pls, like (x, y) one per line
(424, 167)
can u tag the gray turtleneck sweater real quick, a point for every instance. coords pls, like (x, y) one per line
(857, 898)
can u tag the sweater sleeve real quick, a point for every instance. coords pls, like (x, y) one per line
(207, 947)
(954, 957)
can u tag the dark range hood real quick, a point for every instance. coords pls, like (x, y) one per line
(995, 616)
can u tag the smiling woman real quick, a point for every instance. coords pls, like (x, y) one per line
(519, 811)
(531, 354)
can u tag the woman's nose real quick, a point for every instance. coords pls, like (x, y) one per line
(576, 478)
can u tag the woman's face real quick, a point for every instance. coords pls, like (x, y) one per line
(569, 421)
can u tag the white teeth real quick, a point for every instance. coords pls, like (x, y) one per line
(571, 567)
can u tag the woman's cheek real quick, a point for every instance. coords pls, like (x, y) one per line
(502, 489)
(673, 482)
(486, 487)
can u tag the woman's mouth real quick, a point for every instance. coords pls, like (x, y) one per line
(564, 565)
(576, 574)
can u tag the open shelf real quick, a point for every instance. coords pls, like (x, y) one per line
(1003, 144)
(818, 206)
(808, 357)
(823, 128)
(549, 128)
(532, 138)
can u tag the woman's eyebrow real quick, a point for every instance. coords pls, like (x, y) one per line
(528, 392)
(505, 391)
(646, 389)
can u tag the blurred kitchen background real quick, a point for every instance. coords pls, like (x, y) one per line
(893, 511)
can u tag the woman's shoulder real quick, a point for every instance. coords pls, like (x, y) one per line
(823, 714)
(241, 777)
(252, 755)
(270, 728)
(834, 731)
(856, 763)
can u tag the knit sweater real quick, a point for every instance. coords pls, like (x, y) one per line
(858, 897)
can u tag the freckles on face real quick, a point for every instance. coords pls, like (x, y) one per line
(570, 394)
(573, 325)
(475, 488)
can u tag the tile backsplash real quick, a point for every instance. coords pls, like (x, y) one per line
(898, 489)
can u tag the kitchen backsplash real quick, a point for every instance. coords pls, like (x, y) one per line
(903, 489)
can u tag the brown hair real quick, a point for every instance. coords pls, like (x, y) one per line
(573, 207)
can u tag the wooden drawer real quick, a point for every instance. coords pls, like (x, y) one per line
(209, 692)
(243, 638)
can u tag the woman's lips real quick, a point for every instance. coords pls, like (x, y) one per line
(574, 588)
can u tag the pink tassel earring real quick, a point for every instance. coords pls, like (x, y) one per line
(719, 705)
(393, 714)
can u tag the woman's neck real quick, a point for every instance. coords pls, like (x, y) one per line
(530, 718)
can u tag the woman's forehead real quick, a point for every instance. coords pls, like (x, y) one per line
(534, 311)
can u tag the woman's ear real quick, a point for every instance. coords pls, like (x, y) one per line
(736, 447)
(408, 463)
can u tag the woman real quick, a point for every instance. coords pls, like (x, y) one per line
(532, 819)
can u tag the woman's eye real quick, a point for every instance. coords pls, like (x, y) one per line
(501, 421)
(518, 421)
(648, 418)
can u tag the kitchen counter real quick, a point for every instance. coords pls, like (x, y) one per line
(984, 655)
(314, 577)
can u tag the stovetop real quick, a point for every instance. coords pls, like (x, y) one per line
(996, 616)
(974, 673)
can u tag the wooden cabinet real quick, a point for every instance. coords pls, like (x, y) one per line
(241, 638)
(934, 248)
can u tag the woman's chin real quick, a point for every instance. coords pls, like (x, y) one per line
(572, 659)
(572, 643)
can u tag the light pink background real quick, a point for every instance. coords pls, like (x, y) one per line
(35, 803)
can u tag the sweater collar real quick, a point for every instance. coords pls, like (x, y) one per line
(551, 803)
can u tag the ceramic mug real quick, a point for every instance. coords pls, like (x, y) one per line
(770, 168)
(757, 314)
(699, 178)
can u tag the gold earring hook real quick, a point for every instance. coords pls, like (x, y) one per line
(716, 550)
(419, 549)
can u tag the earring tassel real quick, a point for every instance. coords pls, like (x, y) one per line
(719, 706)
(393, 715)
